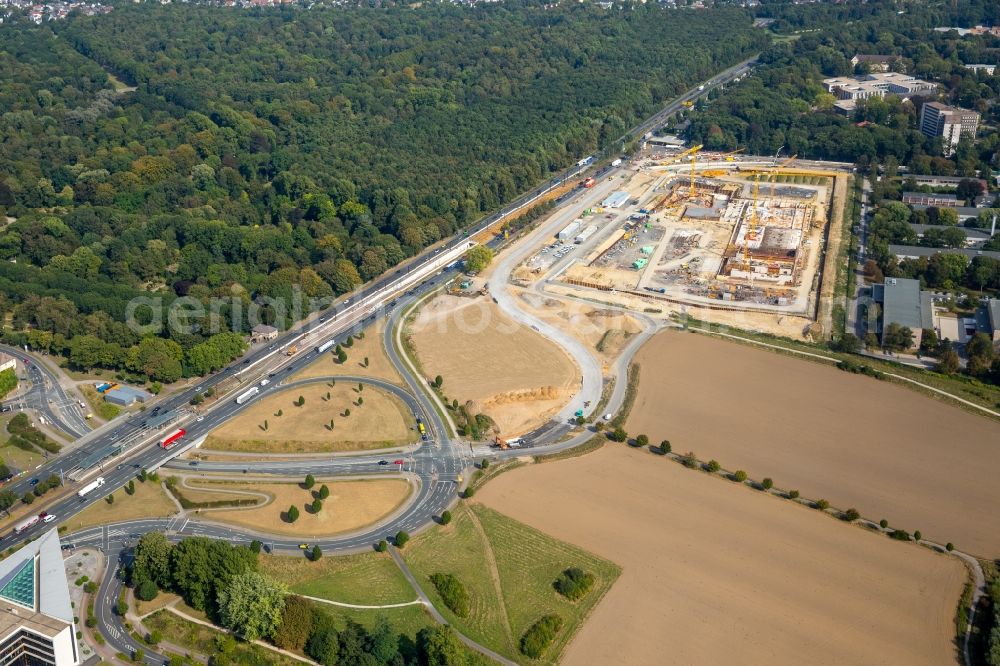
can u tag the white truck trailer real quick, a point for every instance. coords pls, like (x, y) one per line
(90, 487)
(246, 395)
(326, 345)
(585, 234)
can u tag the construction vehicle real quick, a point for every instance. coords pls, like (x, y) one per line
(590, 182)
(292, 351)
(687, 103)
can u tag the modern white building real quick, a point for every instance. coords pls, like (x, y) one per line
(36, 616)
(616, 200)
(879, 84)
(950, 122)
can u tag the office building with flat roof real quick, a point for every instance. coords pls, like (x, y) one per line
(36, 616)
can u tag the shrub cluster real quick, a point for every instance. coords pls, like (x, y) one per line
(452, 592)
(574, 583)
(539, 636)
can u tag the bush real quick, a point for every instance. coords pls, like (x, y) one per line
(452, 592)
(883, 523)
(293, 513)
(484, 464)
(917, 536)
(665, 447)
(949, 546)
(739, 476)
(822, 505)
(317, 553)
(642, 440)
(445, 517)
(310, 481)
(713, 466)
(767, 483)
(324, 492)
(618, 435)
(574, 583)
(382, 546)
(90, 587)
(154, 637)
(900, 535)
(27, 498)
(851, 515)
(689, 460)
(401, 538)
(469, 492)
(146, 590)
(793, 494)
(540, 635)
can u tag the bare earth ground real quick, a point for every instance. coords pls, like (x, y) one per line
(381, 421)
(853, 440)
(351, 505)
(716, 573)
(370, 346)
(587, 323)
(515, 375)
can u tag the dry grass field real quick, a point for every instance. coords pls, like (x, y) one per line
(888, 451)
(350, 506)
(716, 573)
(369, 347)
(149, 501)
(510, 372)
(381, 421)
(368, 579)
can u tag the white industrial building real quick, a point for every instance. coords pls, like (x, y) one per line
(569, 230)
(36, 616)
(616, 200)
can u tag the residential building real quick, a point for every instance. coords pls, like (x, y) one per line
(993, 312)
(263, 333)
(973, 237)
(36, 615)
(931, 199)
(989, 69)
(905, 304)
(7, 362)
(875, 63)
(940, 181)
(917, 251)
(950, 122)
(964, 212)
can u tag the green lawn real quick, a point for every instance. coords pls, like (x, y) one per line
(201, 639)
(369, 579)
(528, 562)
(458, 550)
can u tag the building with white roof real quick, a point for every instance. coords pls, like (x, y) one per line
(36, 615)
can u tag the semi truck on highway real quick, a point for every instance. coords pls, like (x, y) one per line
(90, 487)
(246, 395)
(171, 440)
(326, 345)
(26, 523)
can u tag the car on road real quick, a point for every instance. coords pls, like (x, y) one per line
(303, 546)
(397, 462)
(265, 382)
(193, 463)
(383, 462)
(49, 518)
(33, 482)
(121, 466)
(200, 418)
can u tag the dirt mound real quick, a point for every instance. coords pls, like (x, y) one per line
(604, 313)
(524, 395)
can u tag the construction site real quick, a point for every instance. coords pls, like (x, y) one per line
(707, 230)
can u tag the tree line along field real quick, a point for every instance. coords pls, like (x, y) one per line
(272, 148)
(899, 455)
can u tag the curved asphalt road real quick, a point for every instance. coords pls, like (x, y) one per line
(45, 392)
(437, 463)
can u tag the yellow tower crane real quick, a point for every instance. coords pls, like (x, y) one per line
(679, 156)
(751, 232)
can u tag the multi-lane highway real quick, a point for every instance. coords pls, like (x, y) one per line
(47, 397)
(436, 464)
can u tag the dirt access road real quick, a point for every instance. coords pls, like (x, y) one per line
(717, 573)
(888, 451)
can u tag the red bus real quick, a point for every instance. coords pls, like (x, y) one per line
(171, 439)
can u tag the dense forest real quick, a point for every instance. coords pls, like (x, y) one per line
(785, 103)
(254, 151)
